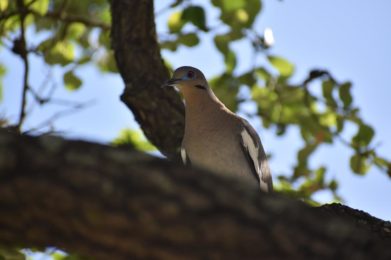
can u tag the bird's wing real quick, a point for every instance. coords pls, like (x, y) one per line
(253, 151)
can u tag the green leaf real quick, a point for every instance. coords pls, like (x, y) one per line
(328, 119)
(283, 66)
(195, 15)
(2, 73)
(364, 135)
(230, 61)
(107, 62)
(359, 164)
(247, 78)
(134, 139)
(229, 5)
(221, 42)
(40, 6)
(238, 14)
(263, 74)
(71, 81)
(226, 89)
(327, 90)
(11, 254)
(62, 52)
(3, 5)
(345, 95)
(190, 39)
(104, 39)
(76, 30)
(169, 45)
(175, 23)
(333, 185)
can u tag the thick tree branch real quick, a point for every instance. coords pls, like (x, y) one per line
(159, 112)
(108, 203)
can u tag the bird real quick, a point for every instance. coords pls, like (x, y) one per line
(215, 138)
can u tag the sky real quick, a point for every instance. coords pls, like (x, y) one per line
(350, 38)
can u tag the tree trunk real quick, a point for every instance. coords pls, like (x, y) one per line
(108, 203)
(160, 112)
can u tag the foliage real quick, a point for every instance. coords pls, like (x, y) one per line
(76, 33)
(133, 139)
(321, 118)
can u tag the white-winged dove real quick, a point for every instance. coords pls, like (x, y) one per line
(215, 138)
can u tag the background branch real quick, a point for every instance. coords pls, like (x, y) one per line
(20, 49)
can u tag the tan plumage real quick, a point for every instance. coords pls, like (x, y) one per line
(215, 138)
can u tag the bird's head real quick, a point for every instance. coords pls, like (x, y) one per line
(188, 77)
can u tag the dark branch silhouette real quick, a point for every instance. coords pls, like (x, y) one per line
(109, 203)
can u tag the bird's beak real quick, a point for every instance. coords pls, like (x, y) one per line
(171, 82)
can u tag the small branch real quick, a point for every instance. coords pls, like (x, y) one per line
(21, 50)
(59, 114)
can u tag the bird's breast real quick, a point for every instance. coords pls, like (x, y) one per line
(215, 148)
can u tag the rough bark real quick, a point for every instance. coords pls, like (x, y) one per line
(160, 112)
(108, 203)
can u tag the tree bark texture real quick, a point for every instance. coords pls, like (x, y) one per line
(159, 111)
(108, 203)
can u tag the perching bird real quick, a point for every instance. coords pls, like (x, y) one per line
(215, 138)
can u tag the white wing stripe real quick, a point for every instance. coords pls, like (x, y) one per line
(252, 149)
(183, 155)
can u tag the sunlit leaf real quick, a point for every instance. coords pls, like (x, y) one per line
(359, 164)
(2, 73)
(241, 15)
(76, 30)
(328, 119)
(3, 5)
(71, 81)
(63, 52)
(11, 24)
(40, 6)
(134, 139)
(283, 66)
(175, 23)
(229, 5)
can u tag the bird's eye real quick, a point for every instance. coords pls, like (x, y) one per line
(190, 74)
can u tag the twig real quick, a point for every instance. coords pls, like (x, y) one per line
(23, 54)
(58, 115)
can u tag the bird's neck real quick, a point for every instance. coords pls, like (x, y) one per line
(201, 105)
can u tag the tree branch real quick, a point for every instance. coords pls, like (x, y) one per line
(160, 112)
(108, 203)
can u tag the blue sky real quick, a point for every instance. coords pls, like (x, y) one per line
(350, 38)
